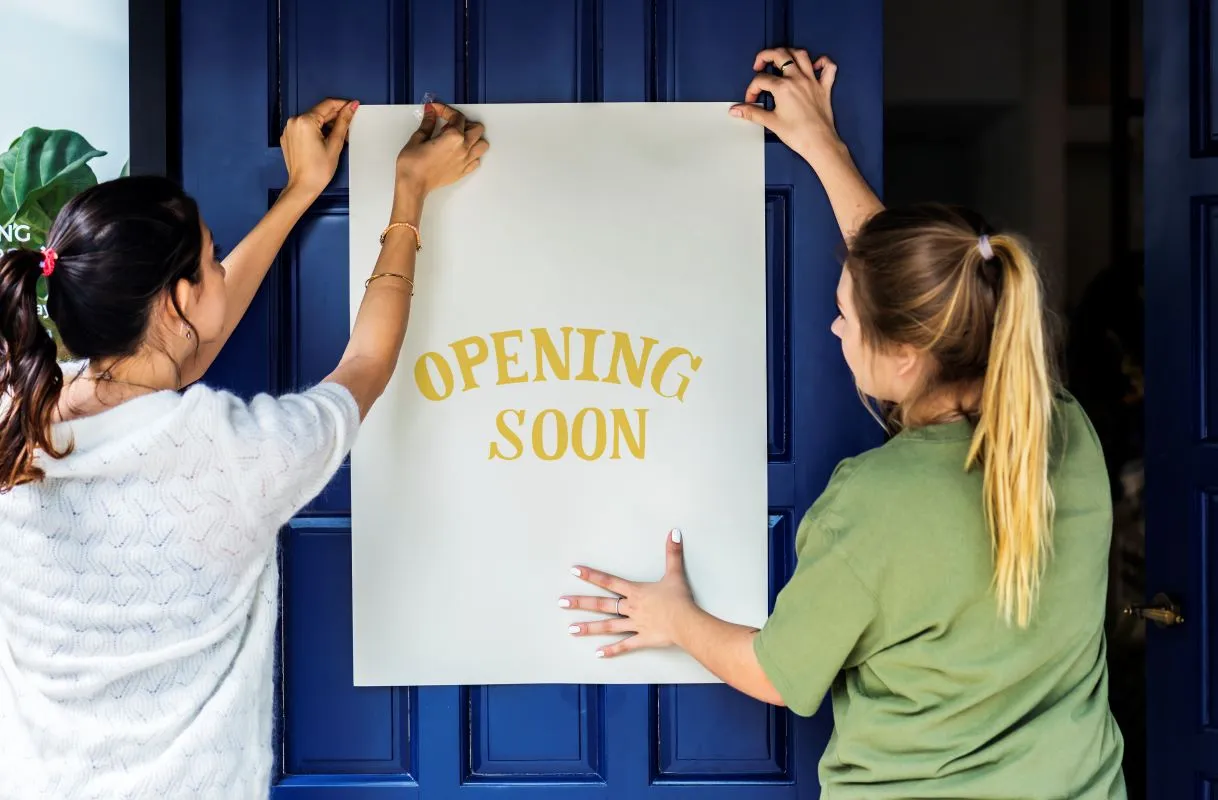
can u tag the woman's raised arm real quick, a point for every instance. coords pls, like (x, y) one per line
(803, 119)
(311, 156)
(426, 163)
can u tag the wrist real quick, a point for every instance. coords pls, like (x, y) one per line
(409, 183)
(298, 196)
(407, 202)
(822, 150)
(684, 622)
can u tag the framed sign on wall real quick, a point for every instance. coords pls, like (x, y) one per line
(89, 89)
(58, 141)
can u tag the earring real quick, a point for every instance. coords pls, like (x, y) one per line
(186, 332)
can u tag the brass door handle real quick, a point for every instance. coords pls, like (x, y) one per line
(1163, 612)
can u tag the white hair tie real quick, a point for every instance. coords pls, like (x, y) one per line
(983, 244)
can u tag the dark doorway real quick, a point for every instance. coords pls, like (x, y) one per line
(1031, 112)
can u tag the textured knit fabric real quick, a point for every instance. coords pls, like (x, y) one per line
(892, 605)
(139, 594)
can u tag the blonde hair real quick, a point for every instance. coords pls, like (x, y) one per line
(934, 278)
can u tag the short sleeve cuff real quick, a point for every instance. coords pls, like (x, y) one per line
(788, 690)
(341, 397)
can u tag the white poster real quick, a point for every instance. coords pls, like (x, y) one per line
(585, 369)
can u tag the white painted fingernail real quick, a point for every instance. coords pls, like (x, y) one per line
(676, 536)
(573, 629)
(564, 603)
(600, 653)
(576, 572)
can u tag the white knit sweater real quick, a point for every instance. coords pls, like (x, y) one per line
(139, 590)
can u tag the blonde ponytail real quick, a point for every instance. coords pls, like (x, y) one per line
(926, 276)
(1011, 440)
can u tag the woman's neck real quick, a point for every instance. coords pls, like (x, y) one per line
(153, 371)
(103, 385)
(947, 404)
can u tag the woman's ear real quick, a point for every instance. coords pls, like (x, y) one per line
(184, 292)
(908, 361)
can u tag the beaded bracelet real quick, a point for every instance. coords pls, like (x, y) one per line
(418, 237)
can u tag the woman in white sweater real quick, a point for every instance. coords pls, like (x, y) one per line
(138, 523)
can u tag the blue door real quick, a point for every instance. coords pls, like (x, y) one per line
(1181, 200)
(249, 64)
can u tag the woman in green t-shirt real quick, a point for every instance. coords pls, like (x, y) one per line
(950, 586)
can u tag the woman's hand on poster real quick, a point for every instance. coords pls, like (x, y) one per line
(311, 154)
(651, 612)
(428, 162)
(803, 107)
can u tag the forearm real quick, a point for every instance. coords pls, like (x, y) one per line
(380, 324)
(727, 651)
(246, 267)
(852, 199)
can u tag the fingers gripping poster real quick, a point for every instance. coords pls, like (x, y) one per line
(584, 370)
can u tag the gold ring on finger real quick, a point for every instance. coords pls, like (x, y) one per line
(783, 68)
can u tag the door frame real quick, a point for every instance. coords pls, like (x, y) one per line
(154, 67)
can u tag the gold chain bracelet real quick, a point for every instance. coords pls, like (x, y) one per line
(418, 237)
(391, 275)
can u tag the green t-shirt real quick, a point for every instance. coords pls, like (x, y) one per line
(892, 609)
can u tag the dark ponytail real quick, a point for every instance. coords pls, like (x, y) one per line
(30, 377)
(121, 246)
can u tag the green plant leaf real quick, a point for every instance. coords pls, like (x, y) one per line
(8, 204)
(5, 211)
(39, 160)
(43, 206)
(39, 222)
(46, 201)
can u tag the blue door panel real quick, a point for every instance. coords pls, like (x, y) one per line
(536, 734)
(693, 744)
(336, 727)
(314, 318)
(714, 733)
(703, 53)
(326, 52)
(1181, 272)
(317, 320)
(778, 276)
(243, 74)
(507, 744)
(534, 51)
(225, 124)
(625, 34)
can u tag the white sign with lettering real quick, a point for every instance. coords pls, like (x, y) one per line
(585, 368)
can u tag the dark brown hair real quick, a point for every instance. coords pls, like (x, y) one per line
(121, 245)
(938, 279)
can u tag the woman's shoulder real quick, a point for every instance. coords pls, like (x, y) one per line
(873, 499)
(857, 483)
(318, 406)
(215, 417)
(874, 473)
(1075, 451)
(1070, 421)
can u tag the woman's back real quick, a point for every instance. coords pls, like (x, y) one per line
(940, 696)
(141, 589)
(138, 525)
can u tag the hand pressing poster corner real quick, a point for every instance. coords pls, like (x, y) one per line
(584, 369)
